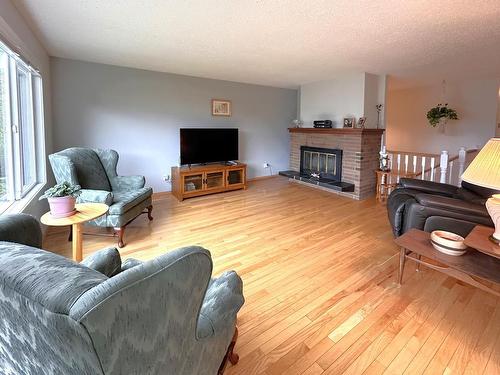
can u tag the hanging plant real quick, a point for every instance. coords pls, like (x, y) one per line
(441, 112)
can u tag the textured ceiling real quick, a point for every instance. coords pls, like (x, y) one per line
(280, 43)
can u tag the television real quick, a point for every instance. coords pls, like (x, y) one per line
(204, 145)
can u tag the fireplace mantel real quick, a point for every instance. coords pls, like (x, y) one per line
(349, 131)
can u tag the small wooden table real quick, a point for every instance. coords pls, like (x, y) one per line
(85, 212)
(479, 239)
(388, 180)
(474, 268)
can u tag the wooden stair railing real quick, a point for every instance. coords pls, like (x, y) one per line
(431, 167)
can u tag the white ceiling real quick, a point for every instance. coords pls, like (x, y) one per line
(280, 43)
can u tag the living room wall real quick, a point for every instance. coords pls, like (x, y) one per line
(350, 95)
(475, 100)
(139, 113)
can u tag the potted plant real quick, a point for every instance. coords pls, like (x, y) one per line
(440, 115)
(62, 199)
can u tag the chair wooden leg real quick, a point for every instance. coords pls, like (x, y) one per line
(120, 232)
(150, 210)
(230, 356)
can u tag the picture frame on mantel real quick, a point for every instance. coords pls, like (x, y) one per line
(221, 107)
(349, 122)
(361, 123)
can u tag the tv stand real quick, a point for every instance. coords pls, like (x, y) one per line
(193, 181)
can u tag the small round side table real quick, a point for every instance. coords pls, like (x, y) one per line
(84, 212)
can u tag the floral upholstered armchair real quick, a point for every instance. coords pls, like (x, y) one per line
(95, 171)
(165, 316)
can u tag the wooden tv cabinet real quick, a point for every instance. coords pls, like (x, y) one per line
(206, 179)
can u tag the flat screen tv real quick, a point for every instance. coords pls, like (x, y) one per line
(204, 145)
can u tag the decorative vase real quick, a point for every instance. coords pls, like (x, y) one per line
(62, 206)
(493, 207)
(384, 161)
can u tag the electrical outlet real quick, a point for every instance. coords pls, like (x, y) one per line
(265, 165)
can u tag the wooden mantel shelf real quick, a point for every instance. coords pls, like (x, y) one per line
(336, 131)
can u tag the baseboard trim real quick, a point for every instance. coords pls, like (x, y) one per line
(161, 195)
(262, 178)
(165, 194)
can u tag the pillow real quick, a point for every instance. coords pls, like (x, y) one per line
(106, 261)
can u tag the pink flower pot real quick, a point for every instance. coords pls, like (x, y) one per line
(62, 206)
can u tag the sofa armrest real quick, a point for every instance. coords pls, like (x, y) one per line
(223, 300)
(95, 196)
(130, 263)
(106, 261)
(451, 205)
(121, 183)
(428, 186)
(21, 228)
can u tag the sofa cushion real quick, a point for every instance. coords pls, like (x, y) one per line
(89, 169)
(106, 261)
(125, 200)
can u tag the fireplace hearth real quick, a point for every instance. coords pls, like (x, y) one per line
(322, 167)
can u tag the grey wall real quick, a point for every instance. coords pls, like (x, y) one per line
(333, 99)
(139, 113)
(350, 95)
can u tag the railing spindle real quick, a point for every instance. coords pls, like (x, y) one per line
(461, 164)
(432, 169)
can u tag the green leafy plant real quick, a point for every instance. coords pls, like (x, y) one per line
(441, 111)
(63, 189)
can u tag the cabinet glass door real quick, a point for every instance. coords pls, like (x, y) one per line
(234, 177)
(193, 183)
(214, 180)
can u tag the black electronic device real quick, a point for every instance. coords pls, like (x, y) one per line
(204, 145)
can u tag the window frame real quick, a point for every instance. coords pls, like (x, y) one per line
(17, 125)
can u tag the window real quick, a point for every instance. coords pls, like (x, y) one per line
(21, 128)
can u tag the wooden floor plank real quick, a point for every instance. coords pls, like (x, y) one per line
(319, 281)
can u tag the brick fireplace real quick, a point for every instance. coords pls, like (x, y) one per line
(360, 155)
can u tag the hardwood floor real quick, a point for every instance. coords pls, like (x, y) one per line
(319, 277)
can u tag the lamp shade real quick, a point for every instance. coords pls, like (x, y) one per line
(485, 168)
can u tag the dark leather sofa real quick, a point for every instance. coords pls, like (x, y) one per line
(429, 206)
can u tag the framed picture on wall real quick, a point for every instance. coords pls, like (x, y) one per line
(361, 122)
(349, 122)
(221, 107)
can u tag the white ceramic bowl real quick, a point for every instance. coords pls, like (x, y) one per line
(448, 243)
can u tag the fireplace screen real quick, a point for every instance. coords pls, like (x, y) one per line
(321, 163)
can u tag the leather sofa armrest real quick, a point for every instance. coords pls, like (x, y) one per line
(428, 186)
(451, 205)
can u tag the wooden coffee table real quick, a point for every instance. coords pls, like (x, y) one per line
(85, 212)
(474, 267)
